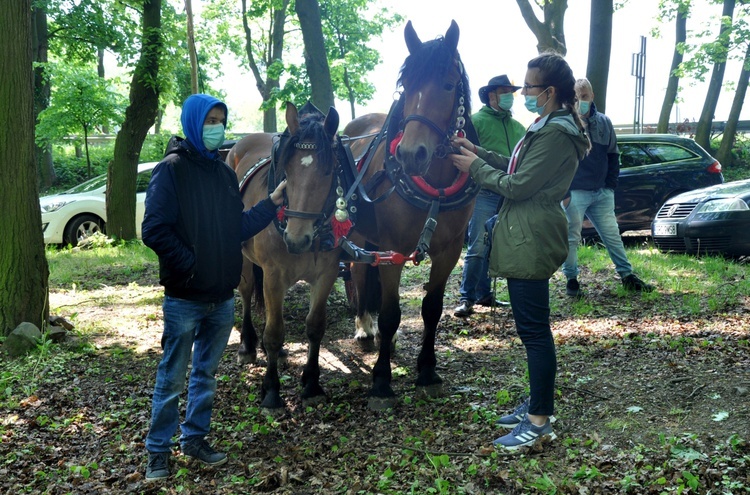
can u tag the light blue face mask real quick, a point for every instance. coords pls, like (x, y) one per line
(505, 101)
(213, 136)
(584, 107)
(531, 103)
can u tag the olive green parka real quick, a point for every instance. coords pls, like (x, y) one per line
(530, 238)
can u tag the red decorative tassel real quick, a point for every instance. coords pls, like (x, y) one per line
(281, 214)
(395, 142)
(340, 229)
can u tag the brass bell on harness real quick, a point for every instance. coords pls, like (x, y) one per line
(341, 215)
(341, 203)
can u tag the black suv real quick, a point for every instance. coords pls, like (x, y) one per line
(654, 168)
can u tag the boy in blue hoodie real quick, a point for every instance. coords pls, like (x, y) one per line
(194, 222)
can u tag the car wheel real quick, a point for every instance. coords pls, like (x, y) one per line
(82, 227)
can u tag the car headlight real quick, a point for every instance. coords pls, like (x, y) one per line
(54, 206)
(725, 204)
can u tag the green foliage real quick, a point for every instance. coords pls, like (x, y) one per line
(81, 102)
(348, 25)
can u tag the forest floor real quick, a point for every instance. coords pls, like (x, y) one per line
(650, 399)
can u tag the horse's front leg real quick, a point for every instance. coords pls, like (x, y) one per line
(428, 381)
(315, 327)
(381, 393)
(274, 291)
(247, 352)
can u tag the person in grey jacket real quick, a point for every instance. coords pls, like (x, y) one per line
(592, 193)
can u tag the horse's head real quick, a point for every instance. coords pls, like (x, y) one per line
(435, 98)
(307, 158)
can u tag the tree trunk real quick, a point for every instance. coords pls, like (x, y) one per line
(550, 34)
(43, 154)
(673, 84)
(24, 272)
(600, 47)
(267, 87)
(724, 155)
(139, 117)
(703, 130)
(316, 60)
(101, 72)
(191, 47)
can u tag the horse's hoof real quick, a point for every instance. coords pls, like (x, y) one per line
(314, 401)
(430, 391)
(272, 401)
(247, 358)
(367, 344)
(381, 403)
(274, 412)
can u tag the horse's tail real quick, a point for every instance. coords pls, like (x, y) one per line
(258, 300)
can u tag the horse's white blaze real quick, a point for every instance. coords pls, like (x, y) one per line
(364, 327)
(419, 100)
(306, 161)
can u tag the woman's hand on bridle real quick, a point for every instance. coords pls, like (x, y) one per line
(277, 196)
(464, 159)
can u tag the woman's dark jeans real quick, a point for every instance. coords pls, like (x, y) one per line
(530, 302)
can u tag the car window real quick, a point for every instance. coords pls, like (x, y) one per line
(665, 152)
(89, 185)
(633, 155)
(141, 184)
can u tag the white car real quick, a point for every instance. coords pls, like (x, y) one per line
(75, 214)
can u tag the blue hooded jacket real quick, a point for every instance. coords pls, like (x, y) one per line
(194, 112)
(194, 220)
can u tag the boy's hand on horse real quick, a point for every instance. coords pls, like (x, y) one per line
(277, 196)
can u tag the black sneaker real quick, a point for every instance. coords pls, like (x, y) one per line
(465, 309)
(573, 288)
(200, 449)
(490, 301)
(631, 282)
(158, 466)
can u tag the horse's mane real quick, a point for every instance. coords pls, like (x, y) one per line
(431, 61)
(312, 130)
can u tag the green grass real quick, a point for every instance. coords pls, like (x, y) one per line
(90, 268)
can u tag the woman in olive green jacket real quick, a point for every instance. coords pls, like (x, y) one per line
(530, 238)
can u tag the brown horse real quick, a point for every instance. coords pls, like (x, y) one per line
(411, 160)
(295, 247)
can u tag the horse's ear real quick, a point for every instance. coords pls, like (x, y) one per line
(292, 118)
(413, 43)
(451, 36)
(331, 124)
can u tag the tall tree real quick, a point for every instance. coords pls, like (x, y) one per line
(42, 90)
(549, 32)
(23, 265)
(719, 56)
(139, 117)
(316, 61)
(724, 154)
(680, 10)
(82, 101)
(348, 26)
(600, 47)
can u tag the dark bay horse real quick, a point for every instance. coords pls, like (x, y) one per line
(411, 160)
(293, 248)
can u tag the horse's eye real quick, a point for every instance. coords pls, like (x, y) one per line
(449, 86)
